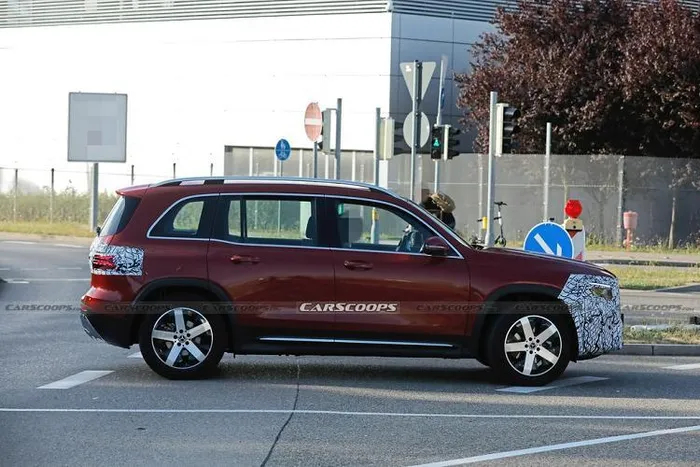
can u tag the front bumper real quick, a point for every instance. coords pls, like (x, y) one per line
(598, 320)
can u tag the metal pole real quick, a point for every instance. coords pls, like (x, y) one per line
(374, 232)
(94, 205)
(481, 186)
(251, 171)
(315, 163)
(491, 175)
(301, 162)
(620, 198)
(174, 171)
(338, 147)
(547, 158)
(417, 87)
(353, 166)
(14, 198)
(53, 186)
(132, 174)
(211, 169)
(438, 119)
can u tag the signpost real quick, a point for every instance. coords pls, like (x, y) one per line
(549, 238)
(417, 76)
(313, 125)
(96, 133)
(283, 150)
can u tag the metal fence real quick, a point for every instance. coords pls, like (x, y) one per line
(661, 190)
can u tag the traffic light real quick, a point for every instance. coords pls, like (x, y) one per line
(451, 142)
(437, 142)
(507, 126)
(325, 144)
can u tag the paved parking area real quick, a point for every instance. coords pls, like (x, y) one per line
(67, 400)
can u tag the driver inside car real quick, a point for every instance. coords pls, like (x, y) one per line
(438, 204)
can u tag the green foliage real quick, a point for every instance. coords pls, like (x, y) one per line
(69, 206)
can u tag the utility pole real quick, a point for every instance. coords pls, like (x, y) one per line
(491, 175)
(415, 144)
(547, 159)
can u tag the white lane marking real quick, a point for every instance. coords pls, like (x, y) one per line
(67, 245)
(45, 279)
(70, 269)
(19, 242)
(562, 383)
(559, 447)
(34, 269)
(689, 366)
(360, 414)
(76, 379)
(135, 355)
(4, 269)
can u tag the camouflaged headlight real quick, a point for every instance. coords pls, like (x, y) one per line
(602, 290)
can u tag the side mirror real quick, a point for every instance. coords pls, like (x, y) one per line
(435, 246)
(98, 229)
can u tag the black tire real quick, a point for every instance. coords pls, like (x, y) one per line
(199, 355)
(511, 366)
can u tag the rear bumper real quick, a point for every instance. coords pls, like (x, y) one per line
(113, 328)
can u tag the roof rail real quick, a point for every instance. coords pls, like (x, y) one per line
(212, 180)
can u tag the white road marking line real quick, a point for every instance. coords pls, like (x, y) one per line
(34, 269)
(359, 414)
(76, 379)
(557, 384)
(689, 366)
(67, 245)
(18, 242)
(559, 447)
(135, 355)
(45, 279)
(70, 269)
(4, 269)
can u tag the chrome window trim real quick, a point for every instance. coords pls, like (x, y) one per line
(302, 195)
(328, 340)
(166, 211)
(420, 221)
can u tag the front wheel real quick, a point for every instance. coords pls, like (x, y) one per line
(529, 349)
(182, 343)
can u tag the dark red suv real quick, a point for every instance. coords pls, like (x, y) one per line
(192, 268)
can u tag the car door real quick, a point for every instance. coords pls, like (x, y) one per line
(266, 254)
(418, 290)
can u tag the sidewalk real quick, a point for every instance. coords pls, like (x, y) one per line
(632, 258)
(8, 236)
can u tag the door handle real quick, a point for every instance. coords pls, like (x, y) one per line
(361, 265)
(238, 259)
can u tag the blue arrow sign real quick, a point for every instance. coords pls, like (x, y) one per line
(551, 239)
(283, 149)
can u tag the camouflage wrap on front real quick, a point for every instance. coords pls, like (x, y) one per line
(128, 259)
(597, 319)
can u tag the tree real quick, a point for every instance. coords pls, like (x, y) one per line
(613, 77)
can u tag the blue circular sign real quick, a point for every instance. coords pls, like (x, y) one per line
(283, 150)
(551, 239)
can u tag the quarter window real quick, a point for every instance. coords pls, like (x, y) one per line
(185, 220)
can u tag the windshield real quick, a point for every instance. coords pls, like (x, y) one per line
(455, 234)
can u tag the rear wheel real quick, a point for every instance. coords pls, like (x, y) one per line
(529, 349)
(182, 342)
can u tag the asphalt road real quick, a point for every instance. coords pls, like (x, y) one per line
(279, 411)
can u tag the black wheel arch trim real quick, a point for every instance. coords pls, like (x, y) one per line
(476, 338)
(209, 286)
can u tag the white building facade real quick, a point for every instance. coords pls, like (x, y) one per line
(206, 78)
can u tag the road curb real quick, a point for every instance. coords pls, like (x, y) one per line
(660, 350)
(644, 262)
(11, 236)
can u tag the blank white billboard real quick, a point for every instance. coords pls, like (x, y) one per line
(96, 127)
